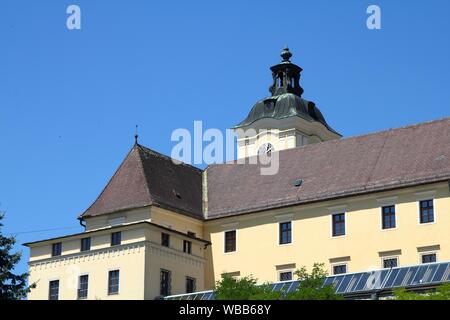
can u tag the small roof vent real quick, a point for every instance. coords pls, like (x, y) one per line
(298, 182)
(176, 194)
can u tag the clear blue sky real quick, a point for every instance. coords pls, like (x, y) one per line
(69, 100)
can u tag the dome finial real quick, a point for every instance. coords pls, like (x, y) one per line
(286, 54)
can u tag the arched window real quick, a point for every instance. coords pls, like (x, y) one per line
(280, 80)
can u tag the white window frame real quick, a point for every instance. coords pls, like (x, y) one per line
(107, 281)
(279, 272)
(389, 258)
(78, 285)
(339, 264)
(427, 253)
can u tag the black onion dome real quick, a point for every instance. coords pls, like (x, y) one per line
(284, 106)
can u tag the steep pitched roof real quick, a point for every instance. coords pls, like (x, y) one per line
(380, 161)
(147, 178)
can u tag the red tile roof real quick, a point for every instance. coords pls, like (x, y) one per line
(385, 160)
(146, 178)
(391, 159)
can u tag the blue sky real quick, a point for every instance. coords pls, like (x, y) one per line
(69, 99)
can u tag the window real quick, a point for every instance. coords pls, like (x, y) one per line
(113, 282)
(187, 246)
(165, 239)
(116, 238)
(426, 211)
(286, 276)
(285, 233)
(388, 217)
(83, 287)
(429, 258)
(338, 224)
(56, 249)
(390, 263)
(190, 285)
(85, 244)
(53, 290)
(165, 284)
(340, 269)
(230, 241)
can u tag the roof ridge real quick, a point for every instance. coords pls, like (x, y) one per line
(110, 180)
(141, 166)
(162, 155)
(408, 126)
(314, 145)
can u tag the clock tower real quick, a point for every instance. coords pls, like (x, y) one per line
(284, 120)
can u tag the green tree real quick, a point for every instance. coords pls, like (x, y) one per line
(311, 285)
(244, 288)
(311, 288)
(442, 293)
(12, 287)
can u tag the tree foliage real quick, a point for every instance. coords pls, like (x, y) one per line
(244, 288)
(442, 293)
(12, 286)
(311, 288)
(311, 285)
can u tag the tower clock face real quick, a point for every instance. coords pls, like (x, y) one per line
(266, 148)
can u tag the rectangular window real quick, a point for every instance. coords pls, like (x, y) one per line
(426, 211)
(85, 244)
(190, 285)
(340, 269)
(53, 290)
(388, 217)
(165, 239)
(230, 241)
(56, 249)
(429, 258)
(390, 263)
(285, 233)
(187, 246)
(116, 238)
(113, 282)
(338, 224)
(286, 276)
(165, 283)
(83, 287)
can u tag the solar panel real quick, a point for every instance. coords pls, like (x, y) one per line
(400, 277)
(410, 276)
(293, 286)
(432, 273)
(344, 283)
(277, 286)
(420, 275)
(328, 281)
(439, 273)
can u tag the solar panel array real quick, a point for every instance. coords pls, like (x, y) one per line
(361, 282)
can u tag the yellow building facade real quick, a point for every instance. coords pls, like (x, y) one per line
(161, 228)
